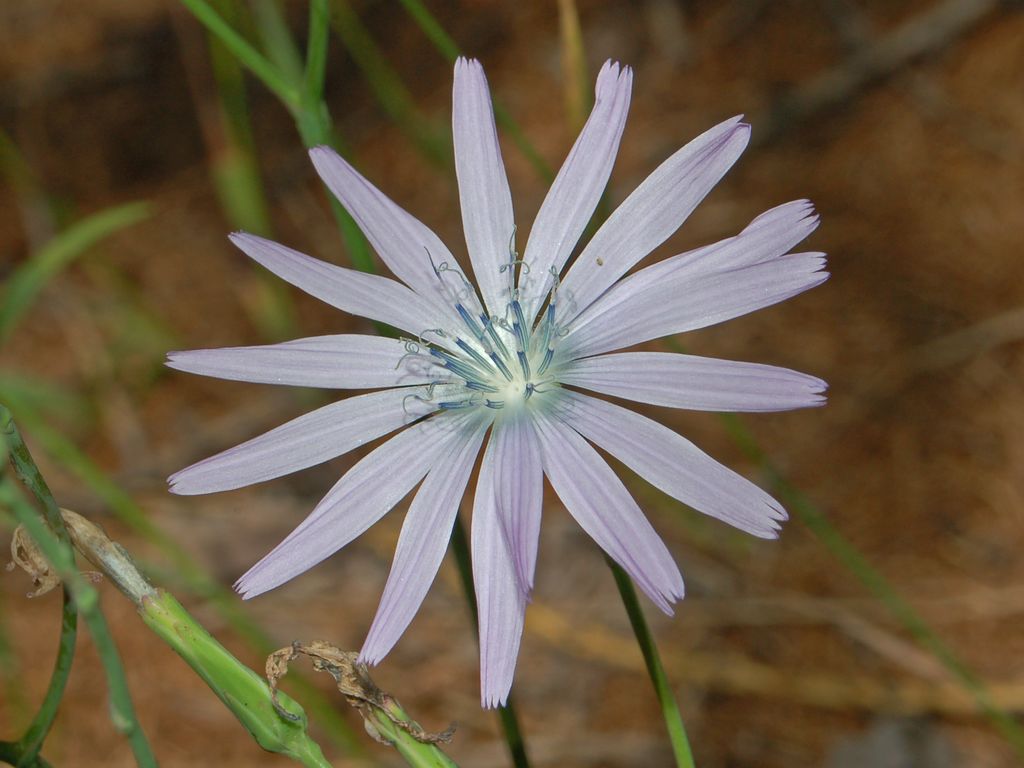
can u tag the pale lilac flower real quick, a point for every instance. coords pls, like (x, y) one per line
(509, 362)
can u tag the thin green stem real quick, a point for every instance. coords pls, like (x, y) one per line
(13, 754)
(185, 568)
(644, 638)
(28, 473)
(277, 39)
(506, 714)
(316, 53)
(448, 48)
(876, 583)
(32, 740)
(391, 93)
(86, 598)
(844, 551)
(255, 61)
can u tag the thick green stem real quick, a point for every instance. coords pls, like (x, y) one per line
(506, 714)
(644, 638)
(241, 690)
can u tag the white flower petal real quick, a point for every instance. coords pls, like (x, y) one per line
(363, 495)
(423, 541)
(696, 383)
(574, 195)
(408, 247)
(483, 187)
(675, 465)
(685, 302)
(651, 214)
(501, 604)
(371, 296)
(333, 362)
(311, 439)
(768, 237)
(519, 485)
(600, 503)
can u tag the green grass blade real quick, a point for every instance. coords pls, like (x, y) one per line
(286, 90)
(29, 279)
(448, 48)
(433, 142)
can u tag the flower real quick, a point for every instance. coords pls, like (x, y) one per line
(510, 361)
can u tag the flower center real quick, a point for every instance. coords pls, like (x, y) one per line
(490, 361)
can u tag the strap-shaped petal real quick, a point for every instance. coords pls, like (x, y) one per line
(600, 503)
(423, 540)
(346, 361)
(519, 485)
(674, 465)
(696, 383)
(363, 495)
(311, 439)
(651, 214)
(371, 296)
(501, 603)
(410, 249)
(574, 195)
(483, 186)
(684, 301)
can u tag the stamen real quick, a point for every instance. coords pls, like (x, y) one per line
(473, 353)
(550, 353)
(470, 322)
(501, 366)
(519, 326)
(451, 405)
(459, 367)
(524, 364)
(489, 327)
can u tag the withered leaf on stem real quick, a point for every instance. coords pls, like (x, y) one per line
(354, 683)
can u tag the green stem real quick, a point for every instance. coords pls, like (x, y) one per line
(32, 741)
(644, 638)
(448, 48)
(391, 93)
(25, 468)
(185, 568)
(316, 54)
(255, 61)
(14, 754)
(242, 691)
(86, 598)
(506, 714)
(876, 583)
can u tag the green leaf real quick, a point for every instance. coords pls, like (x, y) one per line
(31, 277)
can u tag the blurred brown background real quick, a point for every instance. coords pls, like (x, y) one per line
(779, 654)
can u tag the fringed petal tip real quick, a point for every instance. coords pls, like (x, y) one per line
(321, 150)
(248, 584)
(178, 484)
(493, 699)
(611, 71)
(466, 62)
